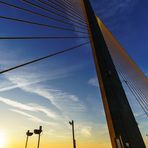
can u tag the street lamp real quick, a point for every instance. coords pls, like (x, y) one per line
(73, 133)
(38, 132)
(28, 134)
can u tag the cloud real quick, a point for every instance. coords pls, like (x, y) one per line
(27, 77)
(61, 100)
(32, 118)
(12, 86)
(109, 8)
(32, 75)
(16, 104)
(45, 110)
(93, 81)
(30, 83)
(31, 107)
(35, 80)
(86, 131)
(115, 13)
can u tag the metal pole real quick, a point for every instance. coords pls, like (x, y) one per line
(26, 142)
(147, 138)
(120, 119)
(38, 132)
(28, 134)
(73, 133)
(39, 141)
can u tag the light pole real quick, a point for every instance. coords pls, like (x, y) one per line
(38, 132)
(29, 134)
(73, 133)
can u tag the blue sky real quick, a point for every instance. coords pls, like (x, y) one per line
(127, 21)
(62, 88)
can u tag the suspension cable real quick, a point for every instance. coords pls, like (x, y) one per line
(52, 12)
(40, 24)
(36, 13)
(64, 6)
(68, 7)
(42, 58)
(138, 99)
(62, 11)
(140, 94)
(41, 37)
(69, 4)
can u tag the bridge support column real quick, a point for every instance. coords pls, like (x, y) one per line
(123, 129)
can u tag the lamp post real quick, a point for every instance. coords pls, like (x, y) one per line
(29, 134)
(73, 133)
(38, 132)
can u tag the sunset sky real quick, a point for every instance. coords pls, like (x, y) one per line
(63, 88)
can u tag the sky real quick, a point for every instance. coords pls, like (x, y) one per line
(63, 88)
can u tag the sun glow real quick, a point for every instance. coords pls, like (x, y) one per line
(2, 140)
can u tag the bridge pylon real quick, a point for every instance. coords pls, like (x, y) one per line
(123, 128)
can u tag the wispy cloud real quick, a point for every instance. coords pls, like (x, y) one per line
(30, 83)
(31, 107)
(35, 81)
(63, 101)
(16, 104)
(32, 118)
(86, 131)
(115, 7)
(93, 81)
(27, 77)
(115, 13)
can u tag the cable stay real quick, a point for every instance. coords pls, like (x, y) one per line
(78, 18)
(63, 7)
(140, 93)
(42, 37)
(40, 24)
(68, 5)
(52, 12)
(144, 102)
(138, 98)
(63, 12)
(42, 58)
(42, 15)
